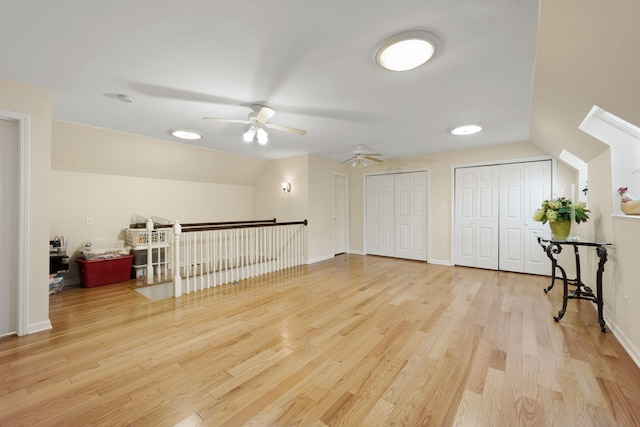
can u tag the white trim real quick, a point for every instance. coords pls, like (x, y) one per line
(23, 226)
(318, 259)
(356, 252)
(626, 343)
(592, 125)
(623, 217)
(502, 162)
(440, 262)
(40, 327)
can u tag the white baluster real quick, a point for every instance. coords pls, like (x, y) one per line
(177, 280)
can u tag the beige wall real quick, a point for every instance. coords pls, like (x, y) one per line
(111, 200)
(439, 187)
(321, 206)
(311, 198)
(621, 270)
(36, 102)
(585, 57)
(104, 175)
(88, 149)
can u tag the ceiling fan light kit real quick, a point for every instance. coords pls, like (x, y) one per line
(258, 121)
(407, 50)
(359, 158)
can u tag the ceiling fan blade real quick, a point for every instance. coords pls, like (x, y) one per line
(373, 154)
(349, 159)
(285, 128)
(265, 114)
(374, 159)
(214, 119)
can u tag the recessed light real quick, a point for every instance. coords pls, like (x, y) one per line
(407, 50)
(186, 134)
(469, 129)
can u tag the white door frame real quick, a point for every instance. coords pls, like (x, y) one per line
(346, 210)
(23, 226)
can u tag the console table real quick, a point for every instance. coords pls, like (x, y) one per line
(553, 247)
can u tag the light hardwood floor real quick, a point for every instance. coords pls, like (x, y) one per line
(352, 341)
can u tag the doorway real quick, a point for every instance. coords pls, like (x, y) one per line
(9, 202)
(14, 245)
(340, 213)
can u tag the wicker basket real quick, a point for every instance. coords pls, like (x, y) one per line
(139, 237)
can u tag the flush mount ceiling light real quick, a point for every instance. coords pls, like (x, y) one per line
(468, 129)
(186, 134)
(407, 50)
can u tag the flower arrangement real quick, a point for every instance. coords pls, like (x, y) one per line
(560, 210)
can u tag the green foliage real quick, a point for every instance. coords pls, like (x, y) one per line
(560, 210)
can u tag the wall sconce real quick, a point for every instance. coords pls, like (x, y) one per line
(286, 187)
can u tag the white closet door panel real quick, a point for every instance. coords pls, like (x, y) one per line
(476, 217)
(512, 217)
(487, 217)
(464, 217)
(538, 188)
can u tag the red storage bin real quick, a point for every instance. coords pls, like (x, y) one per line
(98, 272)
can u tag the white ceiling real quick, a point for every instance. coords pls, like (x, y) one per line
(311, 61)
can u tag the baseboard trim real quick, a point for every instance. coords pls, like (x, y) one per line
(440, 262)
(356, 252)
(624, 340)
(318, 259)
(34, 328)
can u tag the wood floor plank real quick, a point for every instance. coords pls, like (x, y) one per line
(350, 341)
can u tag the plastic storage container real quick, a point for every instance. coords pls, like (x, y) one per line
(102, 249)
(100, 272)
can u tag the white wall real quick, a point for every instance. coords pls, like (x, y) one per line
(36, 102)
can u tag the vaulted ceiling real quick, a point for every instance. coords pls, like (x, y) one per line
(313, 62)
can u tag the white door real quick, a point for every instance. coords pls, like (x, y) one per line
(380, 215)
(476, 217)
(9, 225)
(340, 213)
(410, 218)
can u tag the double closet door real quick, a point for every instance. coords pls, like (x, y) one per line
(396, 215)
(494, 206)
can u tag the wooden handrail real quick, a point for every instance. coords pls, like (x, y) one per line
(242, 225)
(214, 224)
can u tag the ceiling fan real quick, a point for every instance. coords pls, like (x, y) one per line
(258, 122)
(360, 157)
